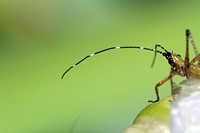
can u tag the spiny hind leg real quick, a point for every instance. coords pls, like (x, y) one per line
(194, 46)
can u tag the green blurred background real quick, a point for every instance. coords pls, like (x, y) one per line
(40, 39)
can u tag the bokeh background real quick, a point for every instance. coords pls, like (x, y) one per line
(40, 39)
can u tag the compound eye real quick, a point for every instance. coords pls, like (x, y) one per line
(179, 55)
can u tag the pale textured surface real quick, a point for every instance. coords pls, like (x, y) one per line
(185, 113)
(153, 119)
(184, 116)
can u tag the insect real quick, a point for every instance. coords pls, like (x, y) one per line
(179, 66)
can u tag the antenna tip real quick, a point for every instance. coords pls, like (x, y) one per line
(187, 32)
(63, 76)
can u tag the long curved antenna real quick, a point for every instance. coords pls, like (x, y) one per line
(154, 58)
(107, 49)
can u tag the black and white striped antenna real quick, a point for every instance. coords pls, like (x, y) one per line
(118, 47)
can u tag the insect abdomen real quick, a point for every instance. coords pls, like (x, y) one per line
(194, 71)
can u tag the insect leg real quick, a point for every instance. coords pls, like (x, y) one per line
(186, 62)
(159, 84)
(172, 88)
(194, 45)
(195, 59)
